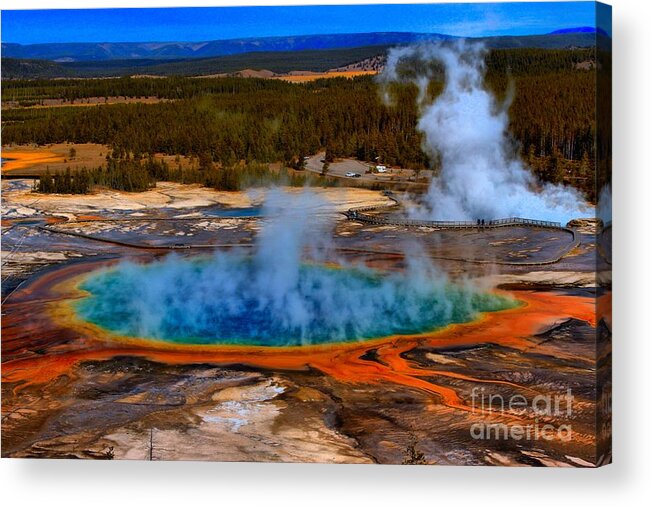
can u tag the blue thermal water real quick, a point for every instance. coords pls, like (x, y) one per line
(251, 212)
(229, 300)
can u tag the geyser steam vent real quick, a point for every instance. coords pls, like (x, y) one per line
(481, 176)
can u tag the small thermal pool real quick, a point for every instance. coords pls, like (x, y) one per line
(251, 212)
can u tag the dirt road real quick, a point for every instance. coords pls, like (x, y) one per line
(339, 168)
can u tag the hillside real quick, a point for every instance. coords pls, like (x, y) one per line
(68, 52)
(278, 55)
(101, 52)
(13, 68)
(279, 62)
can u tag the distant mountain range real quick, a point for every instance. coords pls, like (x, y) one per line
(95, 51)
(98, 51)
(582, 29)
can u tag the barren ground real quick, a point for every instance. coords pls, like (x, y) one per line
(29, 160)
(70, 393)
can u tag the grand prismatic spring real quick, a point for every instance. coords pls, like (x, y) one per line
(223, 301)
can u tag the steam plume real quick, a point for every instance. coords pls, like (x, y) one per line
(481, 176)
(279, 295)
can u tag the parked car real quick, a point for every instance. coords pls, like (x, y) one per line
(381, 168)
(351, 174)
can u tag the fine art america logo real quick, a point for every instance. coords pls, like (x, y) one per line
(527, 420)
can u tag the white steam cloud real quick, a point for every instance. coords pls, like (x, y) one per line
(481, 176)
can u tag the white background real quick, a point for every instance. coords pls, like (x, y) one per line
(113, 483)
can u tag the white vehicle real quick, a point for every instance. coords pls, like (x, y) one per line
(351, 174)
(381, 168)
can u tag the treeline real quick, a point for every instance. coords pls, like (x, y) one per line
(553, 112)
(133, 175)
(527, 61)
(124, 174)
(498, 62)
(229, 120)
(258, 122)
(171, 88)
(64, 183)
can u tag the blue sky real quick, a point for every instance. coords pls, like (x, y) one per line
(199, 24)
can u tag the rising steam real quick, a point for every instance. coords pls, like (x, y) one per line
(280, 295)
(466, 128)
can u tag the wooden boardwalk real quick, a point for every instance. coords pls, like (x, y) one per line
(362, 214)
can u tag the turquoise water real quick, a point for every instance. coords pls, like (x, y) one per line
(235, 212)
(227, 300)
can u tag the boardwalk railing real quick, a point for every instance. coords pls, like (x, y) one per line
(361, 215)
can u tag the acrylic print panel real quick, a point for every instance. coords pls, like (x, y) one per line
(338, 234)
